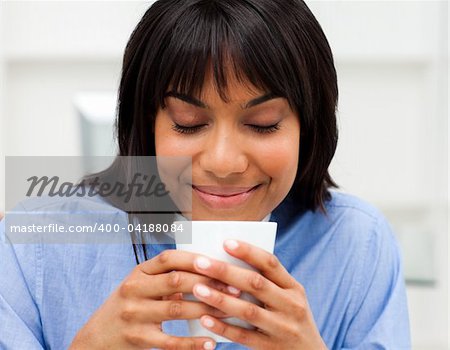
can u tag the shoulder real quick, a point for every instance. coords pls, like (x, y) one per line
(350, 225)
(361, 233)
(341, 209)
(350, 211)
(358, 218)
(352, 206)
(43, 233)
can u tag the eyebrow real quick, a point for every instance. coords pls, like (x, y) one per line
(196, 102)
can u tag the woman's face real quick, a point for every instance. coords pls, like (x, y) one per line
(244, 153)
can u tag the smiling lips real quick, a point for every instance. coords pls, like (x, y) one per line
(223, 197)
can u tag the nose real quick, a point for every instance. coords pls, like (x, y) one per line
(223, 155)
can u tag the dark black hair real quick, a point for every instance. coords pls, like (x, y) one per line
(276, 46)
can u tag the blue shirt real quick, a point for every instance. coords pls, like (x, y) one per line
(348, 261)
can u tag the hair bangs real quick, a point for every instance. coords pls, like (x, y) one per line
(213, 38)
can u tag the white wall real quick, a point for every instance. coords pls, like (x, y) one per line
(2, 128)
(40, 97)
(393, 109)
(72, 30)
(48, 52)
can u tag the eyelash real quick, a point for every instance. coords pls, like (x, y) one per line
(186, 129)
(193, 129)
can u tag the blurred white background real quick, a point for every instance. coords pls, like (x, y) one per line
(59, 69)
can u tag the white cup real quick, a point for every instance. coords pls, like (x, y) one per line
(207, 237)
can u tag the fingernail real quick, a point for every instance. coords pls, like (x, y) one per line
(231, 244)
(202, 262)
(207, 322)
(202, 290)
(209, 345)
(233, 290)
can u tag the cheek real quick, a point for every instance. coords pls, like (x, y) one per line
(167, 143)
(279, 160)
(166, 146)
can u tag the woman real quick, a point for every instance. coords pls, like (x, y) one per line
(247, 89)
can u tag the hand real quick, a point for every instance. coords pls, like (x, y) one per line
(131, 317)
(284, 322)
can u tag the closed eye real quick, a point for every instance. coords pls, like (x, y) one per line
(187, 129)
(265, 129)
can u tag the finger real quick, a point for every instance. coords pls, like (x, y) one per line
(176, 296)
(179, 296)
(250, 338)
(242, 309)
(224, 288)
(268, 264)
(167, 261)
(246, 280)
(167, 342)
(170, 260)
(183, 310)
(167, 284)
(163, 310)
